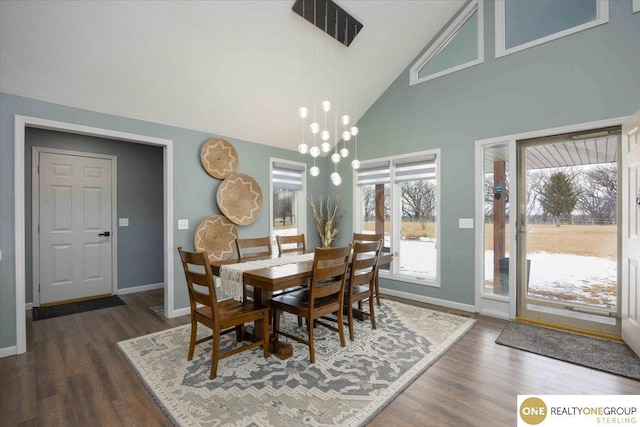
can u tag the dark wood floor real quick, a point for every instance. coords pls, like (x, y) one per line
(73, 375)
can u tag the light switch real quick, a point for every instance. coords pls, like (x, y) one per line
(123, 222)
(183, 224)
(465, 222)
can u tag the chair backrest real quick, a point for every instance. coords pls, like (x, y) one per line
(253, 248)
(300, 245)
(202, 289)
(362, 237)
(329, 273)
(364, 262)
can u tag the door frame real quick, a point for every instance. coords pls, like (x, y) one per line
(20, 124)
(491, 305)
(35, 214)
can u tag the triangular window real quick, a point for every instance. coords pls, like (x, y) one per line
(460, 45)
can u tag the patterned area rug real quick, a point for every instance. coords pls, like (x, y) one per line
(603, 355)
(346, 386)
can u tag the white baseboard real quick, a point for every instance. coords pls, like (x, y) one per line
(495, 313)
(181, 312)
(8, 351)
(421, 298)
(141, 288)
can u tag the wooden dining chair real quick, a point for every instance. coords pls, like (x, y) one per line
(362, 237)
(285, 244)
(325, 295)
(220, 316)
(361, 282)
(247, 249)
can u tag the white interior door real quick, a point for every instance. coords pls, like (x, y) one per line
(630, 301)
(74, 227)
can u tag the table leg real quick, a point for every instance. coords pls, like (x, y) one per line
(281, 350)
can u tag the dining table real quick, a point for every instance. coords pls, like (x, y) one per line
(267, 280)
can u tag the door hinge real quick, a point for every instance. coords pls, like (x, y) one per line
(38, 287)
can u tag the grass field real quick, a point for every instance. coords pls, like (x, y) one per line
(588, 240)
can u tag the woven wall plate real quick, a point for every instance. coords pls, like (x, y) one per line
(219, 158)
(217, 236)
(240, 199)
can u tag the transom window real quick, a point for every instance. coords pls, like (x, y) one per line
(524, 24)
(399, 197)
(461, 45)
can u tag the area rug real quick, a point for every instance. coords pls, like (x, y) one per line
(345, 387)
(40, 313)
(603, 355)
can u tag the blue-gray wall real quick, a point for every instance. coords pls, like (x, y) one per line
(193, 189)
(140, 199)
(588, 76)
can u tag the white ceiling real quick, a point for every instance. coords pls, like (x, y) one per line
(231, 68)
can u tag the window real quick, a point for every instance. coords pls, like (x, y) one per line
(288, 198)
(524, 24)
(460, 46)
(636, 6)
(399, 197)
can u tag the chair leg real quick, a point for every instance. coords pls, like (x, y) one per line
(372, 314)
(350, 315)
(265, 334)
(276, 324)
(192, 343)
(312, 352)
(215, 355)
(239, 333)
(341, 327)
(377, 290)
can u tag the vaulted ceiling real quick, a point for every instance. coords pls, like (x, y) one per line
(234, 68)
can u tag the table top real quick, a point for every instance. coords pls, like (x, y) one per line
(281, 276)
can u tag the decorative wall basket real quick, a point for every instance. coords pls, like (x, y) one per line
(240, 199)
(216, 236)
(219, 158)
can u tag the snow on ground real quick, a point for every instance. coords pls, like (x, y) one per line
(569, 278)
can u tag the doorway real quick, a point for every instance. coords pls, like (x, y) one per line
(567, 229)
(23, 122)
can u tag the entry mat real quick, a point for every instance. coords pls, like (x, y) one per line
(50, 311)
(596, 353)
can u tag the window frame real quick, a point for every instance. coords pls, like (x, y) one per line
(301, 213)
(395, 212)
(473, 7)
(602, 17)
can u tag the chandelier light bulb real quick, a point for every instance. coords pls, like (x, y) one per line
(325, 135)
(314, 128)
(334, 176)
(345, 119)
(314, 171)
(303, 112)
(336, 179)
(346, 135)
(335, 157)
(314, 151)
(344, 152)
(355, 164)
(326, 106)
(303, 148)
(354, 130)
(325, 147)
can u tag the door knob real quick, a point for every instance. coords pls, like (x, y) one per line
(105, 234)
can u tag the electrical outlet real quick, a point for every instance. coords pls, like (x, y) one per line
(123, 222)
(465, 222)
(183, 224)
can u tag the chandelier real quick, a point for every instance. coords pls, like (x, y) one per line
(335, 22)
